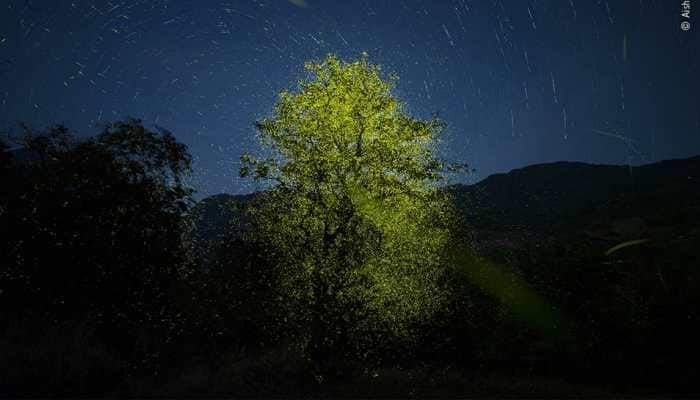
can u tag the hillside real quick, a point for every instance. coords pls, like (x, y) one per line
(547, 194)
(607, 202)
(581, 203)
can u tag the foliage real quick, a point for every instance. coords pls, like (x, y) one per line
(100, 295)
(355, 222)
(92, 230)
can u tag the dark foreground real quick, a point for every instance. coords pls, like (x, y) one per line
(572, 280)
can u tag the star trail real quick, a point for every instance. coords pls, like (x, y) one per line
(517, 82)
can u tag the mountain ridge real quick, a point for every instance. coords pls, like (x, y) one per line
(535, 196)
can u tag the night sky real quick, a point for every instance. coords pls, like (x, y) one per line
(517, 81)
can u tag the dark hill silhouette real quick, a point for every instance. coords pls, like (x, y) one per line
(213, 215)
(546, 197)
(554, 193)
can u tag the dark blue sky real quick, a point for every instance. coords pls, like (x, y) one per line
(518, 81)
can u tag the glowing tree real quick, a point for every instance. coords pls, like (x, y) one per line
(354, 220)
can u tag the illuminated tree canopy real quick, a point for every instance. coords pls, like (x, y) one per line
(355, 220)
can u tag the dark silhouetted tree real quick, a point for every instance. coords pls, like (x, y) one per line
(92, 230)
